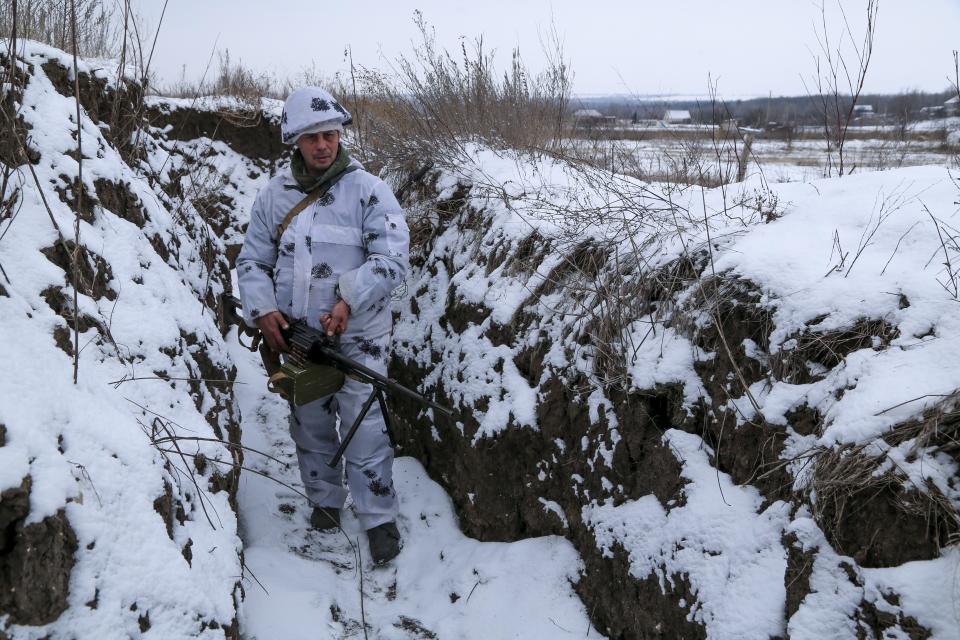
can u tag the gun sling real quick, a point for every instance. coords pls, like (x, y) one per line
(312, 197)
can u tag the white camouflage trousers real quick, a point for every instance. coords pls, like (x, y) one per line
(368, 458)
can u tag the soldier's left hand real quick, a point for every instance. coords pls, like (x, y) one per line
(335, 322)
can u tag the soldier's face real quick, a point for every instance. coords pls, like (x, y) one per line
(319, 149)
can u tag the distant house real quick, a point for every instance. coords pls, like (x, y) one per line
(587, 117)
(863, 111)
(677, 116)
(952, 106)
(937, 111)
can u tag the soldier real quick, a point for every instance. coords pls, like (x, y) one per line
(333, 265)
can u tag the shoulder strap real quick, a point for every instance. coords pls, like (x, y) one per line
(297, 208)
(312, 197)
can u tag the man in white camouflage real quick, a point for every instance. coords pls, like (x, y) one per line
(334, 266)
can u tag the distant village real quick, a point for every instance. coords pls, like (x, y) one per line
(766, 115)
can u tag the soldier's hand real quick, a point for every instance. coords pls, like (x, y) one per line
(335, 322)
(270, 326)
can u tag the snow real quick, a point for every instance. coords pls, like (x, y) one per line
(774, 161)
(882, 217)
(308, 585)
(827, 612)
(927, 591)
(663, 358)
(270, 106)
(722, 541)
(87, 445)
(822, 255)
(872, 246)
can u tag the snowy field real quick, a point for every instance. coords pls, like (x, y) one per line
(774, 160)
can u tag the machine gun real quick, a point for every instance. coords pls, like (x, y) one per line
(314, 368)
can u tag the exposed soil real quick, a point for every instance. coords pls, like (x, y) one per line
(93, 272)
(35, 560)
(625, 608)
(118, 198)
(253, 137)
(497, 484)
(796, 579)
(119, 112)
(872, 526)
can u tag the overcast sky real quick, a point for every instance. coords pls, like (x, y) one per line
(749, 47)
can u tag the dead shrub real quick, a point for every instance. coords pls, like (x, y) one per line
(233, 80)
(431, 103)
(815, 352)
(49, 21)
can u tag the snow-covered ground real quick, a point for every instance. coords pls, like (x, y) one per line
(773, 160)
(117, 453)
(306, 585)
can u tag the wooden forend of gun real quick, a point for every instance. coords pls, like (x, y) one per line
(314, 367)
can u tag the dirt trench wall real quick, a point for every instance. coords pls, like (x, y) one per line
(218, 155)
(599, 444)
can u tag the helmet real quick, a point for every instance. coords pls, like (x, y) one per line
(311, 110)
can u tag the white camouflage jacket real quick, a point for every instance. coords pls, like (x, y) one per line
(352, 243)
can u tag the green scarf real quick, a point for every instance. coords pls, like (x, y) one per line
(308, 182)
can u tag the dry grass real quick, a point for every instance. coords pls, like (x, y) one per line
(429, 104)
(99, 32)
(839, 475)
(232, 79)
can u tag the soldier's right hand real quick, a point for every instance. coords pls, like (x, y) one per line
(270, 325)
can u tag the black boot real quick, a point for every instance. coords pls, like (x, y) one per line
(325, 518)
(384, 542)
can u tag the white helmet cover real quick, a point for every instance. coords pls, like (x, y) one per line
(310, 110)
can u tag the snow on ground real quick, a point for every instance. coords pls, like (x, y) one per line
(208, 170)
(270, 106)
(865, 246)
(442, 585)
(731, 552)
(870, 246)
(774, 160)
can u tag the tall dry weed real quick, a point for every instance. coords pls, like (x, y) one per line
(430, 103)
(98, 32)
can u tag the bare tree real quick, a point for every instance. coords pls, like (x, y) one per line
(955, 80)
(838, 81)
